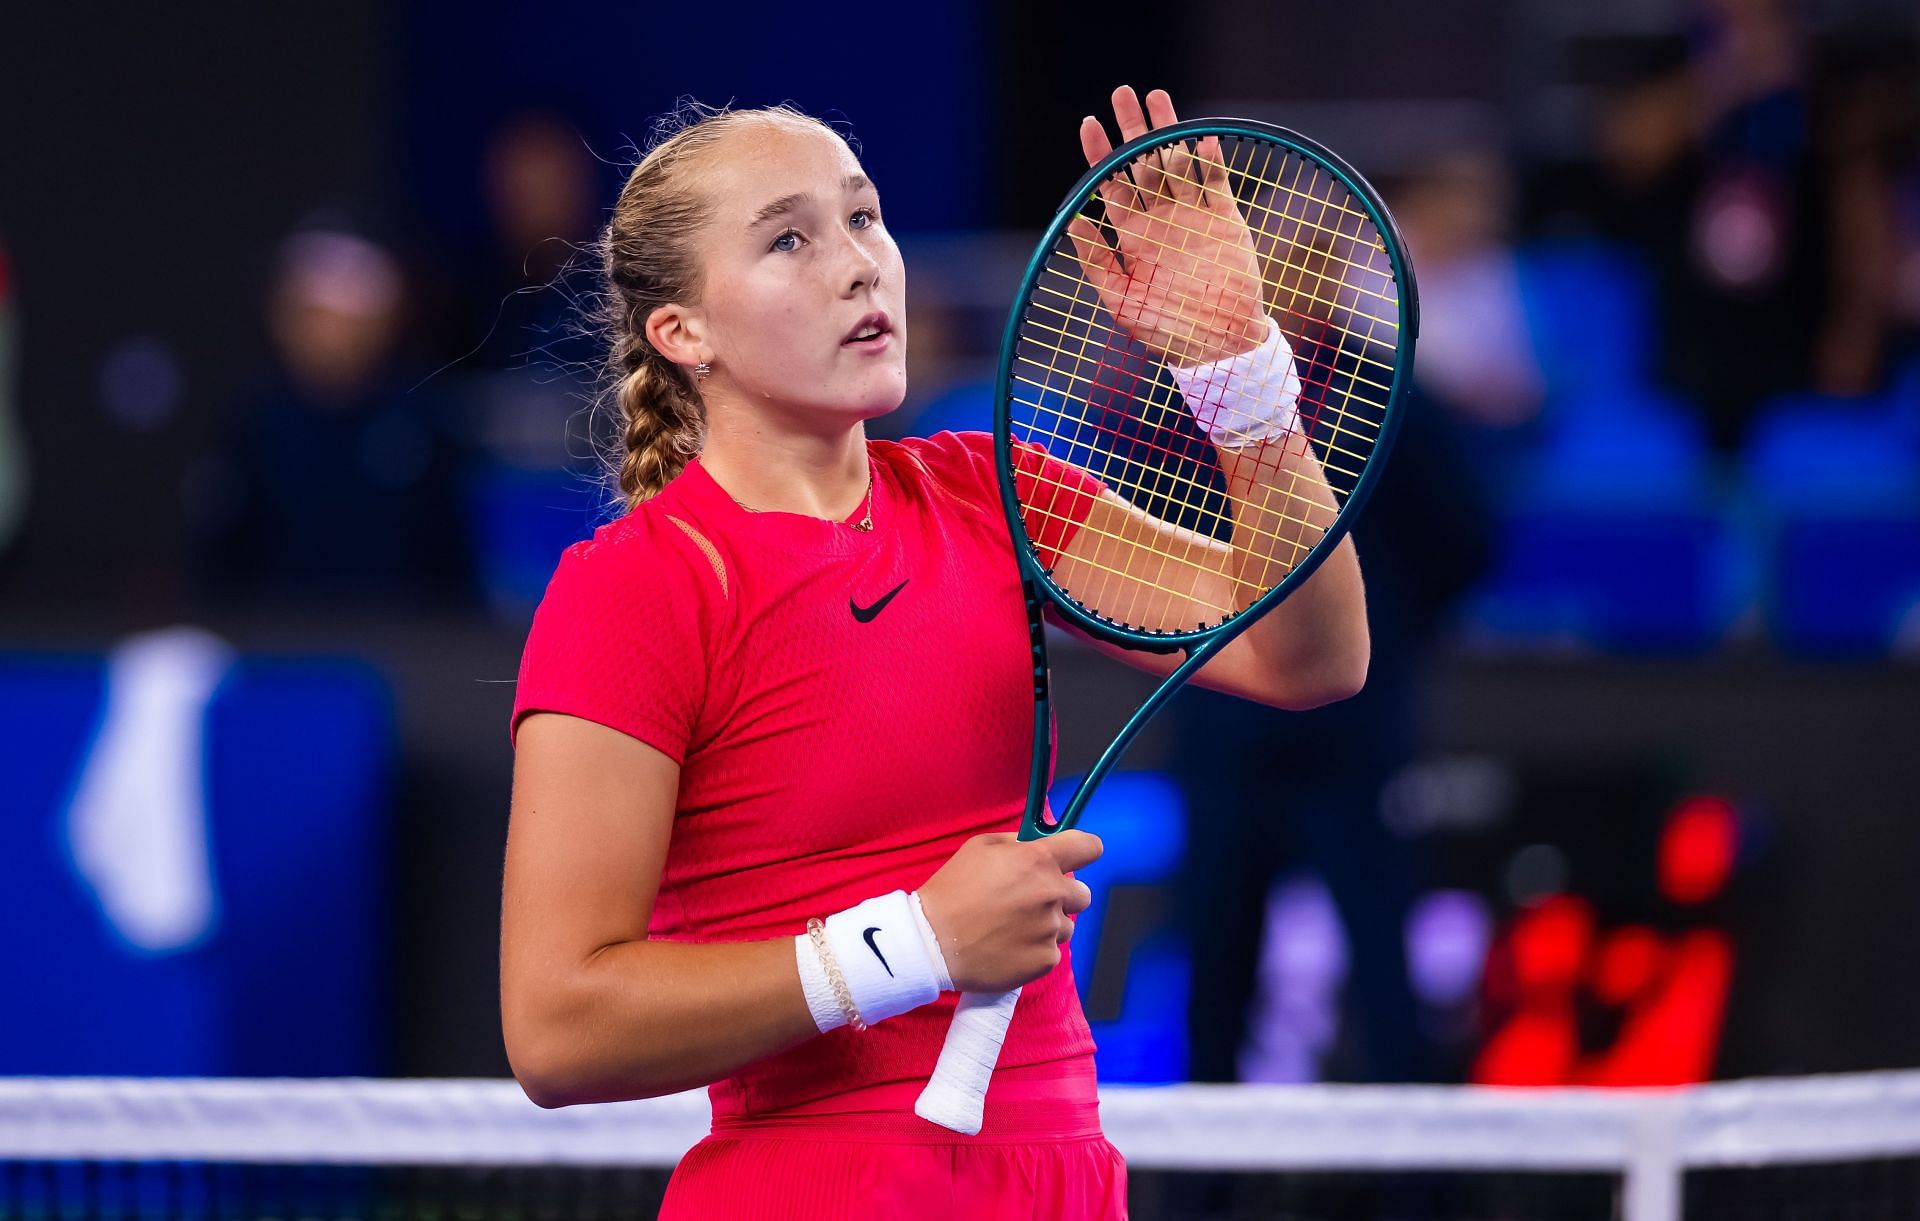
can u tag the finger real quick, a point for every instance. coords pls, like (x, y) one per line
(1149, 173)
(1078, 898)
(1213, 165)
(1127, 114)
(1072, 850)
(1093, 140)
(1181, 179)
(1163, 175)
(1095, 256)
(1120, 196)
(1160, 108)
(1065, 933)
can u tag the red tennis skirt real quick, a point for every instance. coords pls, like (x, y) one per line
(865, 1154)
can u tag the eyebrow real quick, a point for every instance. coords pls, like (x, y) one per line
(787, 203)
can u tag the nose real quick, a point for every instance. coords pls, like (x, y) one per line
(861, 268)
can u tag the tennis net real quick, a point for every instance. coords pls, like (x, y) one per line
(1816, 1147)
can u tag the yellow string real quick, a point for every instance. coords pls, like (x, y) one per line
(1150, 478)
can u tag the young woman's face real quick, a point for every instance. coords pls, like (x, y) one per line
(797, 265)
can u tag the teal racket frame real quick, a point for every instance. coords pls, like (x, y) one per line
(1036, 581)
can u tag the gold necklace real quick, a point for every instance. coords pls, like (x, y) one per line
(864, 525)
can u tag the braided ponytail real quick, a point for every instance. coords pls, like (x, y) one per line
(648, 260)
(663, 418)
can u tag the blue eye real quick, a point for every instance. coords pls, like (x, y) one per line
(790, 237)
(873, 218)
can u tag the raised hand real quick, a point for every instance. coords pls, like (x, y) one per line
(1181, 275)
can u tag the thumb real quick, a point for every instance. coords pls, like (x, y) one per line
(1072, 850)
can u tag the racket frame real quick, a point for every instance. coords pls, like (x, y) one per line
(1036, 581)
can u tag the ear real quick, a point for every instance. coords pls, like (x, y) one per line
(677, 334)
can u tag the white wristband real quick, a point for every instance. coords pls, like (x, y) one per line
(932, 942)
(1245, 399)
(885, 952)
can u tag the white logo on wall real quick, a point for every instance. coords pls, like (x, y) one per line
(137, 825)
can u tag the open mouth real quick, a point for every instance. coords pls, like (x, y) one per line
(871, 331)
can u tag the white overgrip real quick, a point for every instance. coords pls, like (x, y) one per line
(956, 1097)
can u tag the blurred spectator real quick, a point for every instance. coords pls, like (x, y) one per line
(528, 342)
(1474, 353)
(540, 194)
(337, 482)
(13, 452)
(1758, 187)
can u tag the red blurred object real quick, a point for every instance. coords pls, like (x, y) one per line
(1537, 1046)
(1628, 961)
(1543, 958)
(1696, 849)
(1670, 1036)
(1549, 943)
(1668, 991)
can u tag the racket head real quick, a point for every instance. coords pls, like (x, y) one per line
(1074, 382)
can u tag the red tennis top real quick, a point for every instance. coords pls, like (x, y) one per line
(846, 707)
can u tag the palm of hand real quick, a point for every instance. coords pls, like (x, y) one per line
(1181, 274)
(1188, 283)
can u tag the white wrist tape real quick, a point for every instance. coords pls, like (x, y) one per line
(1245, 399)
(886, 952)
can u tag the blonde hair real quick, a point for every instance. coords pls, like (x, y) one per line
(648, 259)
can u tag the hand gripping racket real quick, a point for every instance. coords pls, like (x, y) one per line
(1171, 465)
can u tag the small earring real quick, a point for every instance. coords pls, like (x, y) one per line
(701, 370)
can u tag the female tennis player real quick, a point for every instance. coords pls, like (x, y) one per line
(773, 724)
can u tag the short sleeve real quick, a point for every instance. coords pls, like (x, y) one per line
(1055, 495)
(1055, 498)
(618, 640)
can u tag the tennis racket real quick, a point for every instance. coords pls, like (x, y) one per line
(1142, 517)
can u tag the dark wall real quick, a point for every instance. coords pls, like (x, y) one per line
(150, 156)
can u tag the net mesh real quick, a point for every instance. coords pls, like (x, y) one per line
(1811, 1148)
(1212, 339)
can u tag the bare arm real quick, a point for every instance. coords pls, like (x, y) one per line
(591, 1010)
(1193, 304)
(1311, 650)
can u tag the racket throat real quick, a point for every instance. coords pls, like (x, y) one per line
(1034, 826)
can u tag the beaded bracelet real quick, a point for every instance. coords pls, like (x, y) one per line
(842, 993)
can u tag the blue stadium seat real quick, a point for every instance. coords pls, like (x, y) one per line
(1589, 308)
(286, 774)
(1615, 537)
(1621, 449)
(521, 520)
(1837, 488)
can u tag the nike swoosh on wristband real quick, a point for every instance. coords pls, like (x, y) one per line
(876, 928)
(867, 614)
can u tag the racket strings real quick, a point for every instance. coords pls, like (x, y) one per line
(1085, 369)
(1089, 394)
(1066, 316)
(1365, 238)
(1295, 292)
(1372, 320)
(1322, 199)
(1361, 429)
(1146, 482)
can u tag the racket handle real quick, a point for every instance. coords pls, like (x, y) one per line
(956, 1097)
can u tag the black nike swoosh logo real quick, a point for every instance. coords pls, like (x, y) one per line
(876, 928)
(867, 614)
